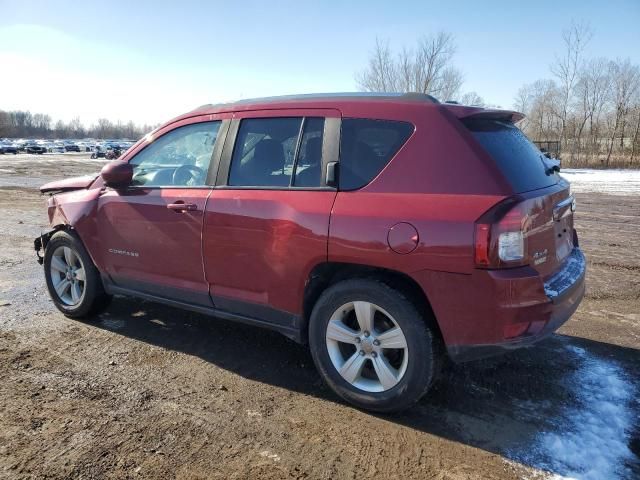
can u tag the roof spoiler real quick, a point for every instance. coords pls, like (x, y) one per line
(465, 112)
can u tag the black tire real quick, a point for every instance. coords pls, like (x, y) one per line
(95, 299)
(422, 361)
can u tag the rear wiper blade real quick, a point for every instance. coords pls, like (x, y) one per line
(551, 165)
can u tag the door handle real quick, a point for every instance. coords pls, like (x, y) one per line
(180, 207)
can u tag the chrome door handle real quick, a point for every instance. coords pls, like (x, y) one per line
(179, 207)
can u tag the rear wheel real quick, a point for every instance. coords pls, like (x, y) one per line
(73, 281)
(371, 345)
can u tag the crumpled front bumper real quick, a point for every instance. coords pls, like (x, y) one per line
(40, 243)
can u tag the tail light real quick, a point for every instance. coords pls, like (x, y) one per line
(501, 235)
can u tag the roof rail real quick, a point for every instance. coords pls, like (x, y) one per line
(413, 96)
(420, 96)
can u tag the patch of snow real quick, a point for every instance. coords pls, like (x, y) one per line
(613, 181)
(590, 440)
(272, 456)
(571, 271)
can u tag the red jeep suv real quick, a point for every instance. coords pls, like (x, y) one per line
(387, 231)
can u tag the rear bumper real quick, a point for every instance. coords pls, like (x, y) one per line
(509, 309)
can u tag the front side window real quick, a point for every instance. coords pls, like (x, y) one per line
(366, 146)
(180, 157)
(270, 153)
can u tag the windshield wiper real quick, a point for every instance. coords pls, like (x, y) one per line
(551, 165)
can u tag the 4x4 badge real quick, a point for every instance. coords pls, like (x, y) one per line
(540, 257)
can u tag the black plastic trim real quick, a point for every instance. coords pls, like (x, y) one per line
(291, 330)
(330, 146)
(222, 175)
(214, 164)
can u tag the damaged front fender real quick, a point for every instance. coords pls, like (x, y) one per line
(74, 210)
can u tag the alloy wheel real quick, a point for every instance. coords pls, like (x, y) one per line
(68, 276)
(367, 346)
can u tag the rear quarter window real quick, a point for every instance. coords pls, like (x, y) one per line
(515, 155)
(366, 146)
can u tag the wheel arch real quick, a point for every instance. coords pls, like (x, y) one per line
(40, 243)
(326, 274)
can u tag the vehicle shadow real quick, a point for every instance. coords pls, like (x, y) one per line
(501, 405)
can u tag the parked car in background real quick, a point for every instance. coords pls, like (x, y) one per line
(98, 152)
(8, 148)
(113, 152)
(85, 146)
(35, 148)
(387, 232)
(71, 147)
(57, 148)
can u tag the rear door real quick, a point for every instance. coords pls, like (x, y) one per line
(549, 231)
(267, 220)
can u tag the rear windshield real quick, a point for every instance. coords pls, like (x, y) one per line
(519, 160)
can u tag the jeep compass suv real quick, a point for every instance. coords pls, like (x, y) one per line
(385, 231)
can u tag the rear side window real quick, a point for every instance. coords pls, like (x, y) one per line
(264, 152)
(278, 152)
(519, 160)
(366, 146)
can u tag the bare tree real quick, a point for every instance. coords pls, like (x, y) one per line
(381, 74)
(636, 135)
(426, 69)
(103, 128)
(538, 101)
(5, 124)
(592, 92)
(75, 127)
(566, 67)
(472, 98)
(625, 82)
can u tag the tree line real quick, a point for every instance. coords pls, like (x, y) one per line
(24, 124)
(426, 68)
(591, 106)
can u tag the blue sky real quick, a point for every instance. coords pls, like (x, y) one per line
(151, 60)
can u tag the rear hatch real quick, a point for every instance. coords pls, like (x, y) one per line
(545, 202)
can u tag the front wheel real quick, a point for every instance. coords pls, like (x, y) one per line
(372, 346)
(73, 281)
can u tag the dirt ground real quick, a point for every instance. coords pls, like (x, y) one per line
(147, 391)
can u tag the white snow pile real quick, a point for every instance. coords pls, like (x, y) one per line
(617, 182)
(590, 440)
(567, 276)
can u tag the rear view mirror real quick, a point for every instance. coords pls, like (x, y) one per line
(117, 174)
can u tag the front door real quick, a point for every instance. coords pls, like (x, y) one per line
(151, 232)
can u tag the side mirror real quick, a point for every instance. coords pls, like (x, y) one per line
(117, 174)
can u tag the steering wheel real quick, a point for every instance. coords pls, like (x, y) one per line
(185, 174)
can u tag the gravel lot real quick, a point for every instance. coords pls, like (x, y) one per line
(147, 391)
